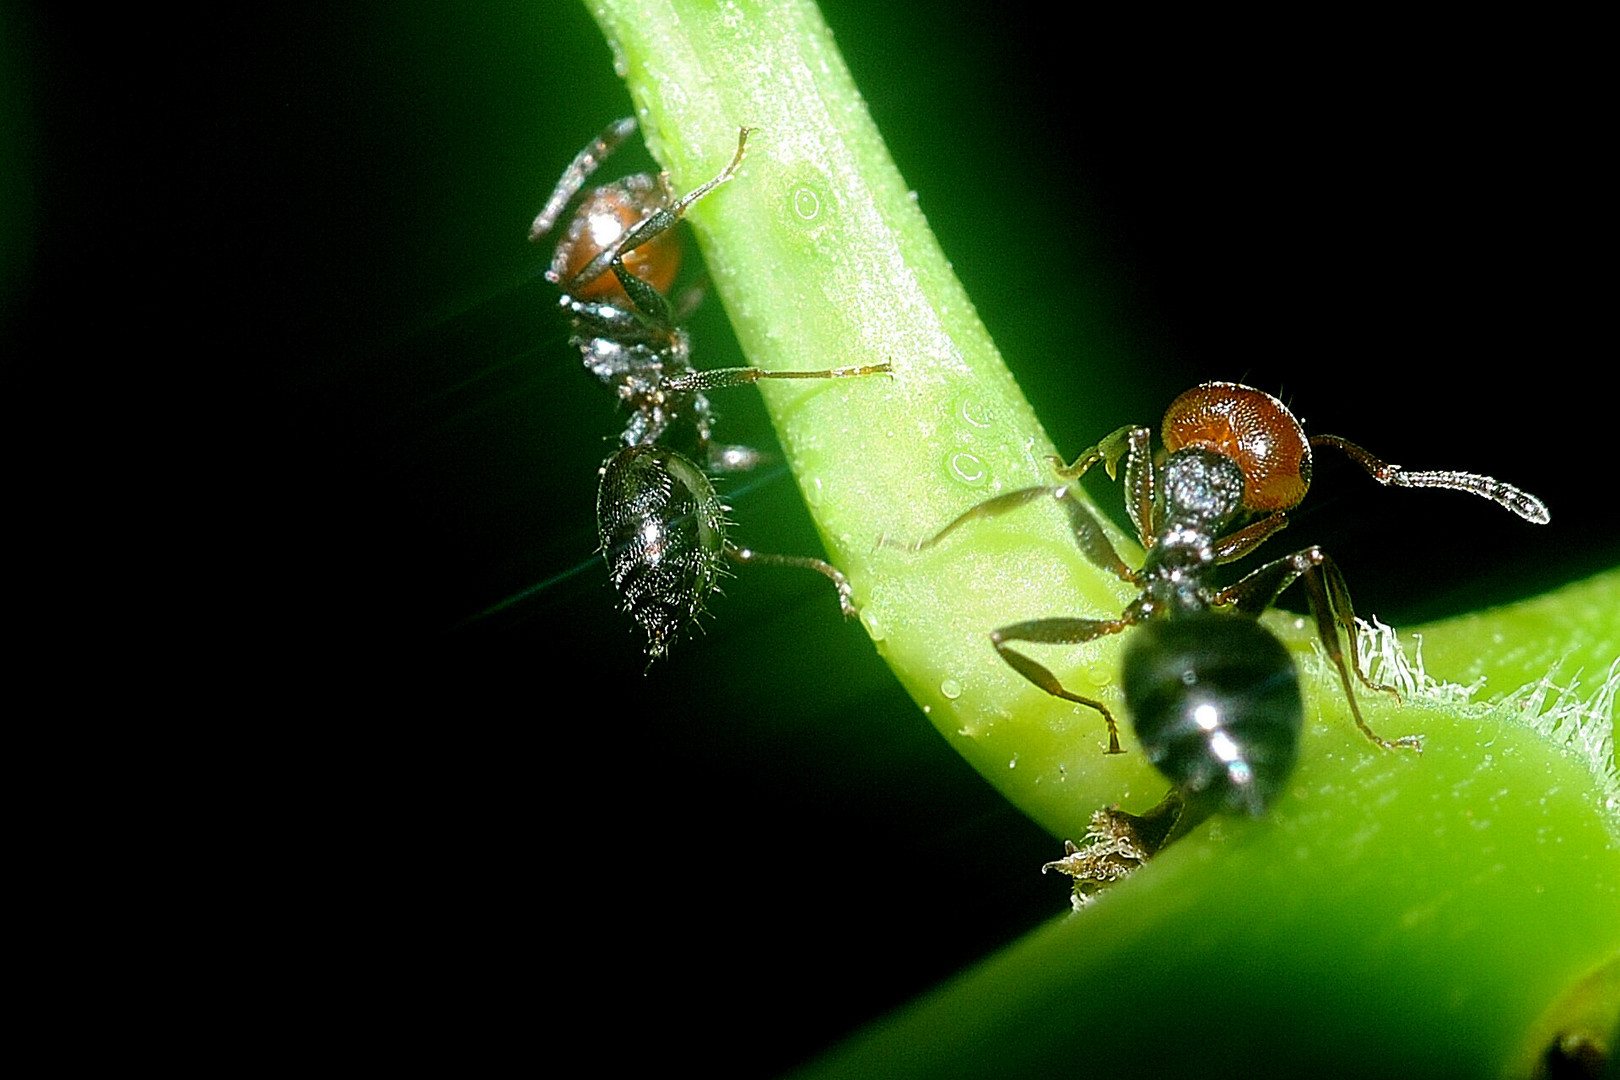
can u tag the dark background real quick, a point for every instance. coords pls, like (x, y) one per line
(293, 407)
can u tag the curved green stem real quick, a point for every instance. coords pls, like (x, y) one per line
(1426, 908)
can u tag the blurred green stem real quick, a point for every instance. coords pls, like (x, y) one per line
(1395, 908)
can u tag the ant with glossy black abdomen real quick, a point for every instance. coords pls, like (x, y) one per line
(1213, 696)
(662, 527)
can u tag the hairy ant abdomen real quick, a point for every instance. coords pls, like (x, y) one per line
(663, 535)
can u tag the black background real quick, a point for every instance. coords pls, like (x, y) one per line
(293, 407)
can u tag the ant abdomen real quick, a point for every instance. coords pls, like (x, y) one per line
(1216, 705)
(663, 535)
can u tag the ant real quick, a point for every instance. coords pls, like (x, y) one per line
(662, 527)
(1213, 696)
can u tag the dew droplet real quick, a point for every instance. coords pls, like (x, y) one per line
(967, 468)
(621, 66)
(806, 203)
(951, 689)
(975, 412)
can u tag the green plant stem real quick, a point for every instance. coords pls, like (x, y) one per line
(1393, 907)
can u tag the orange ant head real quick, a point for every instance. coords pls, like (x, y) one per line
(604, 215)
(1252, 428)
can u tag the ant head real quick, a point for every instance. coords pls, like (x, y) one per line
(1253, 429)
(603, 216)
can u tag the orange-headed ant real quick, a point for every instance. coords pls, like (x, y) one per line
(1213, 696)
(662, 527)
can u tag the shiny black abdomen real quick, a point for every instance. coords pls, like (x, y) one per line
(1216, 705)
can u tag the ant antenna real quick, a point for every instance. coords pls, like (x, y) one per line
(584, 164)
(1507, 496)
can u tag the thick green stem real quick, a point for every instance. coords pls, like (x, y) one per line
(1393, 907)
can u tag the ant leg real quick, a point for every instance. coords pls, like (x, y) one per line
(1109, 451)
(719, 378)
(1088, 534)
(1094, 544)
(1135, 445)
(721, 177)
(645, 231)
(1332, 611)
(990, 508)
(584, 164)
(648, 301)
(1329, 596)
(1326, 585)
(748, 556)
(1330, 602)
(1139, 486)
(1090, 538)
(697, 383)
(1238, 544)
(1504, 495)
(1058, 632)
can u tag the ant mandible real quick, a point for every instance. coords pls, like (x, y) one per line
(662, 527)
(1213, 696)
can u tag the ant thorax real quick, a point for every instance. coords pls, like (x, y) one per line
(1200, 496)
